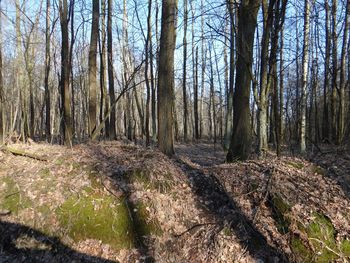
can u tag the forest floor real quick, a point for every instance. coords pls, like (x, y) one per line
(117, 202)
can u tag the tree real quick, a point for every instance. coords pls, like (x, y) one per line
(184, 71)
(65, 72)
(93, 66)
(342, 83)
(166, 77)
(241, 134)
(149, 84)
(325, 121)
(2, 135)
(112, 130)
(262, 98)
(47, 74)
(305, 64)
(230, 88)
(103, 80)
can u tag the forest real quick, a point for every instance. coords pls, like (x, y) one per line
(174, 131)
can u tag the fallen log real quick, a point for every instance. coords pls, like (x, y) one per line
(22, 153)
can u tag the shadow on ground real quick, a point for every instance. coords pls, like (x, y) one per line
(214, 199)
(19, 243)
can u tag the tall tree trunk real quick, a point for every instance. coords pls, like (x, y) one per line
(195, 102)
(334, 129)
(153, 79)
(325, 121)
(281, 90)
(304, 76)
(166, 77)
(264, 91)
(147, 63)
(241, 135)
(47, 74)
(112, 128)
(342, 83)
(93, 67)
(65, 71)
(184, 72)
(2, 105)
(103, 79)
(229, 99)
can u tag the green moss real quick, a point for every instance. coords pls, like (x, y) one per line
(300, 251)
(227, 231)
(97, 216)
(44, 173)
(318, 170)
(144, 226)
(345, 247)
(60, 161)
(297, 165)
(143, 177)
(11, 197)
(280, 209)
(321, 237)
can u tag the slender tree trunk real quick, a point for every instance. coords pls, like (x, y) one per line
(281, 90)
(325, 122)
(304, 76)
(195, 102)
(112, 128)
(184, 72)
(342, 83)
(166, 77)
(153, 80)
(93, 66)
(241, 136)
(2, 104)
(65, 71)
(229, 114)
(47, 74)
(264, 85)
(334, 72)
(149, 85)
(203, 61)
(103, 79)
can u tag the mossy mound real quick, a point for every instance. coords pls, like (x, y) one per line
(321, 242)
(316, 241)
(97, 216)
(11, 198)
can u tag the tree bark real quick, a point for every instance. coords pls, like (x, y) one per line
(325, 121)
(65, 71)
(229, 99)
(93, 67)
(112, 128)
(184, 72)
(47, 74)
(2, 130)
(304, 76)
(241, 135)
(166, 77)
(342, 83)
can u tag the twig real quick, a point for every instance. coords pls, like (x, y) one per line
(327, 247)
(193, 227)
(9, 195)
